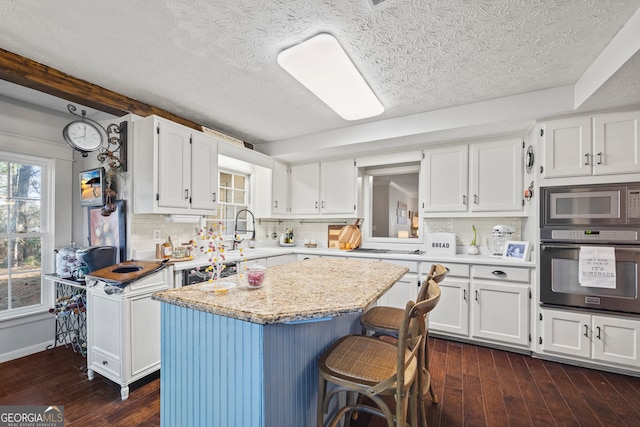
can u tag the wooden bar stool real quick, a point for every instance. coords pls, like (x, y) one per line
(385, 320)
(360, 365)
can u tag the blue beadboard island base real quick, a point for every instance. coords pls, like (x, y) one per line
(249, 358)
(228, 372)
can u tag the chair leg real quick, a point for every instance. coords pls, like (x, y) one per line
(322, 388)
(434, 398)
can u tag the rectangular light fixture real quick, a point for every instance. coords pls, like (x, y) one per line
(324, 68)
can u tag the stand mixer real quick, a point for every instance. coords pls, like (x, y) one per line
(500, 235)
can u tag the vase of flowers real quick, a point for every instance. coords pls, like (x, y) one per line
(210, 244)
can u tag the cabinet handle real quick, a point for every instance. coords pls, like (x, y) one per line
(600, 158)
(464, 294)
(464, 199)
(586, 161)
(213, 197)
(323, 206)
(186, 194)
(586, 331)
(316, 205)
(475, 199)
(275, 202)
(476, 295)
(499, 273)
(598, 336)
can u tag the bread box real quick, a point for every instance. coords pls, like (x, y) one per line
(441, 243)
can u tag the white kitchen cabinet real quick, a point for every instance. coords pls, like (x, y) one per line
(605, 144)
(496, 176)
(280, 188)
(327, 188)
(304, 188)
(598, 338)
(123, 330)
(451, 315)
(487, 303)
(174, 169)
(446, 179)
(500, 306)
(405, 289)
(483, 177)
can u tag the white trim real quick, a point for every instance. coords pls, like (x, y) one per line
(29, 146)
(25, 351)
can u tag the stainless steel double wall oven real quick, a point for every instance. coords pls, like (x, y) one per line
(575, 221)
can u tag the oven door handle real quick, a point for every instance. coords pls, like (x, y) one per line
(625, 248)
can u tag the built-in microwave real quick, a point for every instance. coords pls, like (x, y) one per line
(602, 204)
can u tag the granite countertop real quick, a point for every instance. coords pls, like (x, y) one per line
(303, 290)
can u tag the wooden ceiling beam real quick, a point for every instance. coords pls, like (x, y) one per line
(25, 72)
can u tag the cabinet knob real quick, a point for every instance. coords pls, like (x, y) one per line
(105, 363)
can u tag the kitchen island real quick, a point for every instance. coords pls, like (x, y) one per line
(248, 357)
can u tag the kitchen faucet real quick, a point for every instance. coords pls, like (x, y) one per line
(236, 237)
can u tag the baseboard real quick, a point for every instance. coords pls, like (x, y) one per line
(25, 351)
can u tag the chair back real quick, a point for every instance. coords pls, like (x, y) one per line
(437, 273)
(410, 339)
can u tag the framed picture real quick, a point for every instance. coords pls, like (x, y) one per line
(515, 250)
(92, 187)
(109, 230)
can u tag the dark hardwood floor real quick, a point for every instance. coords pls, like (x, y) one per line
(476, 386)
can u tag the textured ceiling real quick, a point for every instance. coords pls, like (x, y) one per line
(214, 61)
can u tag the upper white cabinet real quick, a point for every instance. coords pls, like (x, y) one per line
(325, 188)
(483, 177)
(174, 169)
(280, 188)
(446, 179)
(605, 144)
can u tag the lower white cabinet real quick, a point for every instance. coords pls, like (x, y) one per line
(123, 329)
(592, 337)
(405, 289)
(488, 303)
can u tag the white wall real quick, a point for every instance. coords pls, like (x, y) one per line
(27, 129)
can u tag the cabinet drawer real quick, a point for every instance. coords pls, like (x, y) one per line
(497, 272)
(411, 265)
(456, 270)
(105, 364)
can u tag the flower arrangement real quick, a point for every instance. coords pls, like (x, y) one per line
(209, 243)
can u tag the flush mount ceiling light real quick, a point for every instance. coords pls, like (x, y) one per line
(324, 68)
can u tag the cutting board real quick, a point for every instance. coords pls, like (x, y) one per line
(110, 273)
(334, 231)
(350, 235)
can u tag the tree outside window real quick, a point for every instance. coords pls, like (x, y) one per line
(20, 235)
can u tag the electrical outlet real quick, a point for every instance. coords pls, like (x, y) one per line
(156, 235)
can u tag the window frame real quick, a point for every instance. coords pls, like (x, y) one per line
(46, 218)
(228, 223)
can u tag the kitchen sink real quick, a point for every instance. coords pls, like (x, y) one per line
(387, 251)
(127, 269)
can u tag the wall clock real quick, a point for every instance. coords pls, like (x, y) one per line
(83, 135)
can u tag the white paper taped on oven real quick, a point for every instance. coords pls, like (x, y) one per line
(597, 267)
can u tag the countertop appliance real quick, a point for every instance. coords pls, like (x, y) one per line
(589, 247)
(500, 235)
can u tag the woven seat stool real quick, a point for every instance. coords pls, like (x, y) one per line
(359, 365)
(384, 320)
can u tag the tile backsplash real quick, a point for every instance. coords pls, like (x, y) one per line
(143, 226)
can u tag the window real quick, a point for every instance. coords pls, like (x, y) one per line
(22, 207)
(233, 199)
